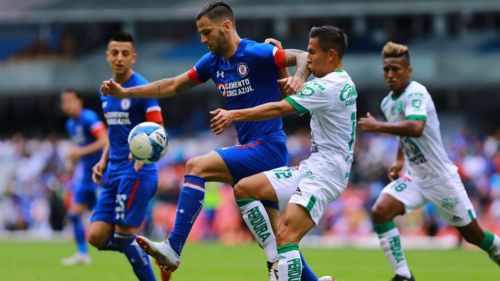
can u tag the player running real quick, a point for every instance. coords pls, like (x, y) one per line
(318, 180)
(430, 175)
(127, 186)
(88, 133)
(246, 74)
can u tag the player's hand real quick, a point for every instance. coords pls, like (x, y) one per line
(110, 87)
(220, 120)
(394, 170)
(98, 170)
(291, 85)
(274, 42)
(368, 123)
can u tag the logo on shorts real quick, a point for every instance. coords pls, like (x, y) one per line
(242, 69)
(456, 219)
(125, 104)
(298, 191)
(449, 203)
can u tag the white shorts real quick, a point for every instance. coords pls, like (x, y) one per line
(303, 186)
(448, 196)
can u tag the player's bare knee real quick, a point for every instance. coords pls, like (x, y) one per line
(381, 213)
(96, 239)
(242, 190)
(194, 167)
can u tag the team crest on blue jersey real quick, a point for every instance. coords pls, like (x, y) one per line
(242, 69)
(125, 104)
(222, 89)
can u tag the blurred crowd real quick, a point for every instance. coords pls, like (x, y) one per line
(35, 186)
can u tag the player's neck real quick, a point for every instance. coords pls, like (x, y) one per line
(121, 78)
(399, 92)
(233, 46)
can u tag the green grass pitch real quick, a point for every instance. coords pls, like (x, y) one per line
(40, 261)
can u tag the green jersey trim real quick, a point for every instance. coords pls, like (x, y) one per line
(299, 108)
(416, 117)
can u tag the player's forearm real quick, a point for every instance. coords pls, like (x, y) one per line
(407, 128)
(158, 89)
(400, 159)
(298, 58)
(95, 146)
(261, 112)
(302, 69)
(105, 151)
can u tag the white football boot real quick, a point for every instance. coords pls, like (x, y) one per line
(168, 260)
(75, 259)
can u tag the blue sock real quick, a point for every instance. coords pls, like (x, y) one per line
(270, 204)
(188, 209)
(78, 232)
(307, 273)
(137, 258)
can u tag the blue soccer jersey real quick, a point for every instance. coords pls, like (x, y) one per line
(126, 192)
(247, 79)
(83, 131)
(122, 115)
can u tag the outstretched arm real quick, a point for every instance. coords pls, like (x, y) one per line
(158, 89)
(405, 128)
(223, 118)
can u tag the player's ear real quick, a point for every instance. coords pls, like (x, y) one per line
(227, 25)
(332, 55)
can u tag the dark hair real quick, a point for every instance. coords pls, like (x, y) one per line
(330, 37)
(217, 10)
(122, 36)
(71, 90)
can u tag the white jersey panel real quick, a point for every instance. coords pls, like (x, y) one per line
(331, 100)
(426, 160)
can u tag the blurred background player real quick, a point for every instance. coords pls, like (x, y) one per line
(246, 74)
(310, 187)
(430, 175)
(127, 186)
(88, 133)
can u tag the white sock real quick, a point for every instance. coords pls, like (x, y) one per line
(290, 264)
(256, 218)
(390, 241)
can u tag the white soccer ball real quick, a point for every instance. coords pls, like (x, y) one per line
(148, 142)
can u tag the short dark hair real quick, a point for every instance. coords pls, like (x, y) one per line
(72, 90)
(330, 37)
(217, 10)
(122, 36)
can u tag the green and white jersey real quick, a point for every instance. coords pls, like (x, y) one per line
(426, 161)
(331, 100)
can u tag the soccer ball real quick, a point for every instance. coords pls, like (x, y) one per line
(148, 142)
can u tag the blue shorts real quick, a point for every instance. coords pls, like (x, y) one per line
(83, 188)
(254, 157)
(84, 193)
(124, 200)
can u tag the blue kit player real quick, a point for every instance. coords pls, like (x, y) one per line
(246, 73)
(127, 186)
(88, 133)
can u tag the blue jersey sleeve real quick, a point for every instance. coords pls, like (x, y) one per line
(267, 54)
(202, 68)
